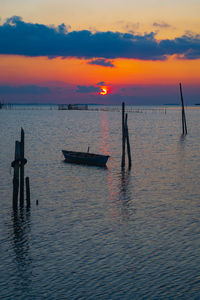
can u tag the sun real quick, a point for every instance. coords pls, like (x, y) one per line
(104, 90)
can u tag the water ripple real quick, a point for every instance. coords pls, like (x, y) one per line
(102, 233)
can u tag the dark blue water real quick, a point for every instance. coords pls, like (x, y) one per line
(100, 233)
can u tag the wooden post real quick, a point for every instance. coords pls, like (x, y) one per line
(15, 165)
(123, 136)
(28, 202)
(184, 125)
(128, 143)
(22, 169)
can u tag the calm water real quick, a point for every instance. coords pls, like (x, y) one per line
(99, 233)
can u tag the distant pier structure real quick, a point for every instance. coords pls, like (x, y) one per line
(5, 105)
(108, 108)
(72, 107)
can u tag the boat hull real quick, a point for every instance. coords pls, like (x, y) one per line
(85, 158)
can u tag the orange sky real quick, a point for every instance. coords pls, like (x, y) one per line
(26, 70)
(168, 19)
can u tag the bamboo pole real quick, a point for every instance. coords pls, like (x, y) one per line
(184, 125)
(127, 141)
(15, 164)
(123, 136)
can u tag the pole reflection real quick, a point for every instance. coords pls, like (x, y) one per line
(104, 146)
(125, 193)
(181, 163)
(21, 231)
(119, 191)
(120, 194)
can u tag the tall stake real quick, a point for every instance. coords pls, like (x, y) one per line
(128, 143)
(184, 125)
(123, 137)
(15, 165)
(22, 169)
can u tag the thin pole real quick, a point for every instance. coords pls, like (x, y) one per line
(15, 165)
(22, 169)
(184, 125)
(128, 143)
(123, 136)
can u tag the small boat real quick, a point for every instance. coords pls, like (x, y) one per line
(85, 158)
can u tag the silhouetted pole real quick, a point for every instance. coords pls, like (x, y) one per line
(22, 169)
(18, 176)
(123, 136)
(15, 164)
(184, 125)
(127, 141)
(28, 202)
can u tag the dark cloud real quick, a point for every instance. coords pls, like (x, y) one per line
(24, 89)
(133, 88)
(87, 89)
(101, 83)
(28, 39)
(187, 46)
(59, 92)
(62, 28)
(161, 25)
(101, 62)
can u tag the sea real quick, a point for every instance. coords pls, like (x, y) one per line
(101, 233)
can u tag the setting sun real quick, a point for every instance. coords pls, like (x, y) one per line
(104, 90)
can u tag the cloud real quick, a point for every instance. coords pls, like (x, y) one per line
(187, 46)
(101, 83)
(87, 89)
(161, 25)
(128, 26)
(59, 92)
(20, 38)
(62, 28)
(101, 62)
(129, 89)
(24, 89)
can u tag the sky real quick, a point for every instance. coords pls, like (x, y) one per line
(104, 52)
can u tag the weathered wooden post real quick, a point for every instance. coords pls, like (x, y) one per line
(18, 176)
(127, 141)
(123, 136)
(28, 202)
(15, 165)
(184, 125)
(22, 169)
